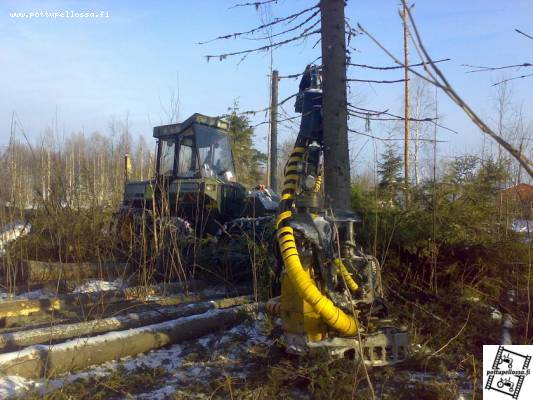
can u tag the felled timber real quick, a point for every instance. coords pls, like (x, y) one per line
(24, 307)
(90, 312)
(14, 340)
(35, 272)
(48, 361)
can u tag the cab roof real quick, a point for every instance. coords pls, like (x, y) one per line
(164, 131)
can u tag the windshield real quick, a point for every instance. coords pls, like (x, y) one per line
(187, 164)
(166, 162)
(214, 152)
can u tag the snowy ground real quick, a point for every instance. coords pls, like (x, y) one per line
(87, 286)
(97, 285)
(11, 232)
(214, 356)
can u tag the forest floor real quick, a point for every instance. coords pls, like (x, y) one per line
(244, 361)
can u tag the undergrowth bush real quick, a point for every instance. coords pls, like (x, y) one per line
(449, 259)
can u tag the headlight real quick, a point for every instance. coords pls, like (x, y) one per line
(210, 187)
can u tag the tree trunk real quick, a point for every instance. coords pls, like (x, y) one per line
(11, 308)
(407, 120)
(47, 361)
(273, 181)
(335, 123)
(14, 340)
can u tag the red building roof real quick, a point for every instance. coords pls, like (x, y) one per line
(522, 192)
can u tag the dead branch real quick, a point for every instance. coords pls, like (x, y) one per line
(262, 27)
(392, 139)
(300, 25)
(374, 81)
(278, 121)
(441, 82)
(294, 76)
(256, 4)
(511, 79)
(375, 117)
(254, 112)
(350, 32)
(366, 111)
(525, 34)
(451, 339)
(392, 67)
(303, 35)
(485, 69)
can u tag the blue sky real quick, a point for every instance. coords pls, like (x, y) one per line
(90, 70)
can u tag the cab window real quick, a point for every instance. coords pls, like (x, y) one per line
(166, 161)
(187, 164)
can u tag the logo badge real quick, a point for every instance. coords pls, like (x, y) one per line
(506, 372)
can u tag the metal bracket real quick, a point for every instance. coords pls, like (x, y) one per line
(385, 346)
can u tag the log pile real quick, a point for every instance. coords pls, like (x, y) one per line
(45, 361)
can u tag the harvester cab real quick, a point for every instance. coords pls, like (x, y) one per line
(195, 182)
(197, 148)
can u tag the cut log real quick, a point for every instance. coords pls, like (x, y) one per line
(15, 308)
(33, 272)
(52, 334)
(42, 361)
(104, 310)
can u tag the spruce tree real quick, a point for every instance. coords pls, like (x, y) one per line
(389, 168)
(390, 171)
(249, 162)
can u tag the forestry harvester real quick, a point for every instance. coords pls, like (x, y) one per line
(331, 293)
(195, 186)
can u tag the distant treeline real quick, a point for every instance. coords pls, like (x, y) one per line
(81, 168)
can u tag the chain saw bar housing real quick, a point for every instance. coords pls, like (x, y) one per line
(329, 286)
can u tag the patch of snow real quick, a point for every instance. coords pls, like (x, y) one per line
(30, 351)
(205, 341)
(220, 353)
(97, 285)
(153, 298)
(196, 372)
(34, 294)
(13, 385)
(168, 358)
(16, 386)
(522, 226)
(496, 314)
(160, 394)
(11, 232)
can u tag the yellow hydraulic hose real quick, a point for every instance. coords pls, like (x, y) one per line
(305, 286)
(352, 285)
(318, 184)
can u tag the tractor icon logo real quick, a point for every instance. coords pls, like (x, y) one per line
(506, 382)
(509, 370)
(506, 359)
